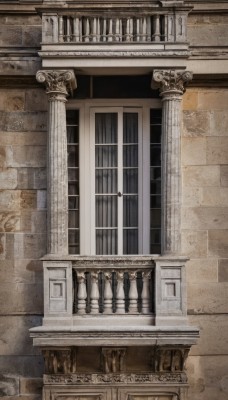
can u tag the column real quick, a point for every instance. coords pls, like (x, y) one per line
(172, 86)
(58, 85)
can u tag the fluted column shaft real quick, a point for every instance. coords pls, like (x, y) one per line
(58, 84)
(172, 87)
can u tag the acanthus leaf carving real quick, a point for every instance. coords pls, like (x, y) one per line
(58, 82)
(171, 81)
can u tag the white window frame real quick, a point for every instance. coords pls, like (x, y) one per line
(86, 166)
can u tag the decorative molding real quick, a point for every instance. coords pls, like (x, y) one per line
(118, 53)
(171, 81)
(61, 82)
(92, 379)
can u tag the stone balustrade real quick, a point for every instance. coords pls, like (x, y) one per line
(110, 291)
(133, 290)
(151, 26)
(103, 29)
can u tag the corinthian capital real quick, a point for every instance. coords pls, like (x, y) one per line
(61, 82)
(171, 81)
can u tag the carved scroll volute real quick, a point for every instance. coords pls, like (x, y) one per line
(171, 81)
(58, 83)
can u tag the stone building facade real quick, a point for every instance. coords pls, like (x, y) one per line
(147, 318)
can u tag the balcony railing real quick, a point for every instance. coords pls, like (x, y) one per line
(133, 290)
(137, 23)
(113, 291)
(102, 29)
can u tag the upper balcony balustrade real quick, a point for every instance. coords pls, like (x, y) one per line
(114, 301)
(88, 30)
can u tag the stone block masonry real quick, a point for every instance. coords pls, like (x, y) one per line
(205, 236)
(22, 234)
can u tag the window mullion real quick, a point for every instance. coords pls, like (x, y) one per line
(120, 182)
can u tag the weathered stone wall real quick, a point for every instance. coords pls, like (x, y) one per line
(23, 124)
(205, 237)
(208, 29)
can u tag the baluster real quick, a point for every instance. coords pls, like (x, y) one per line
(86, 29)
(94, 296)
(117, 35)
(76, 34)
(98, 30)
(121, 30)
(133, 292)
(144, 29)
(103, 32)
(137, 37)
(61, 29)
(131, 36)
(94, 30)
(156, 35)
(68, 30)
(165, 22)
(148, 29)
(80, 30)
(82, 295)
(108, 293)
(76, 26)
(120, 296)
(146, 275)
(127, 29)
(110, 34)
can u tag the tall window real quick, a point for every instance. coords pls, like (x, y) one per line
(73, 180)
(122, 181)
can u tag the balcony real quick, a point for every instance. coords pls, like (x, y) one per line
(136, 300)
(76, 32)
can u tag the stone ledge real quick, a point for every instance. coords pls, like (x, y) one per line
(113, 335)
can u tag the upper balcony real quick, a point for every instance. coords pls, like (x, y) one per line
(113, 301)
(111, 33)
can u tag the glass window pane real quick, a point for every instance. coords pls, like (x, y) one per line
(73, 202)
(73, 156)
(130, 241)
(155, 134)
(73, 174)
(106, 156)
(106, 241)
(106, 211)
(73, 237)
(130, 211)
(73, 188)
(130, 128)
(155, 187)
(106, 181)
(106, 128)
(130, 180)
(155, 155)
(155, 221)
(155, 173)
(155, 201)
(73, 219)
(130, 155)
(72, 134)
(72, 117)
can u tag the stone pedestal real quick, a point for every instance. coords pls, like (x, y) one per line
(171, 85)
(58, 84)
